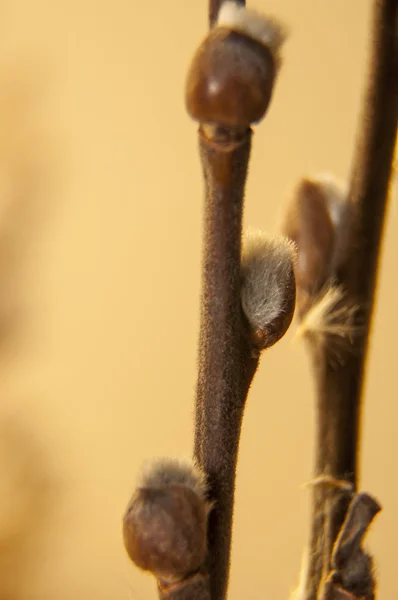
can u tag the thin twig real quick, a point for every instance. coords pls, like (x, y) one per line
(227, 362)
(242, 57)
(168, 528)
(339, 387)
(226, 366)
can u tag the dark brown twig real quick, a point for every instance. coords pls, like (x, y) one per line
(226, 367)
(339, 386)
(244, 69)
(163, 525)
(246, 307)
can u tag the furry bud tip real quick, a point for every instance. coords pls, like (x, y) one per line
(168, 471)
(266, 30)
(268, 289)
(164, 527)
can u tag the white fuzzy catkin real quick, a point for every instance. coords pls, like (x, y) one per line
(329, 316)
(266, 30)
(168, 471)
(267, 266)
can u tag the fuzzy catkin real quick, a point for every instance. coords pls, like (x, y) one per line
(170, 471)
(267, 266)
(266, 30)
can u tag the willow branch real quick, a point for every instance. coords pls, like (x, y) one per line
(178, 523)
(229, 87)
(353, 269)
(226, 366)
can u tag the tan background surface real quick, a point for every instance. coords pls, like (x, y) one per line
(100, 254)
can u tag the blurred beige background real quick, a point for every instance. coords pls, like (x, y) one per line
(100, 235)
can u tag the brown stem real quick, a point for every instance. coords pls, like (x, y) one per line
(226, 367)
(339, 388)
(214, 7)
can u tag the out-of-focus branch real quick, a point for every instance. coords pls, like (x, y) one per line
(339, 246)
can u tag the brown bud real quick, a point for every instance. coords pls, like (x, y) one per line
(231, 79)
(164, 531)
(309, 225)
(317, 221)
